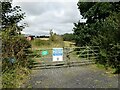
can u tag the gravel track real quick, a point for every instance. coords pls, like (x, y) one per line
(73, 77)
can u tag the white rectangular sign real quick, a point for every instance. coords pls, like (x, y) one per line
(57, 54)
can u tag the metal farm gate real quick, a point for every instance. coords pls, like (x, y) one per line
(72, 56)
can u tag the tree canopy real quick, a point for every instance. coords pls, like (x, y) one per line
(68, 37)
(11, 16)
(102, 28)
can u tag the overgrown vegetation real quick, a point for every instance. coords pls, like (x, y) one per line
(16, 48)
(15, 63)
(54, 40)
(14, 78)
(102, 29)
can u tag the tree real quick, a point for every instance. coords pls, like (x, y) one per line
(54, 37)
(98, 15)
(11, 17)
(68, 37)
(102, 28)
(51, 35)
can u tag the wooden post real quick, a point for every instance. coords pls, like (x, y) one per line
(68, 58)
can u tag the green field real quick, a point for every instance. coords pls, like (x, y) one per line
(37, 43)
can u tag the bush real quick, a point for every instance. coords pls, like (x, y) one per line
(114, 57)
(15, 62)
(14, 51)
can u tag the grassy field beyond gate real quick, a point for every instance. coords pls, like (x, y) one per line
(38, 43)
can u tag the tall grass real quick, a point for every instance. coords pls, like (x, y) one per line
(15, 78)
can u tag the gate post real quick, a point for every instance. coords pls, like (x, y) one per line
(68, 57)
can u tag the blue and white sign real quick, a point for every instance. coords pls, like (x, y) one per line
(57, 54)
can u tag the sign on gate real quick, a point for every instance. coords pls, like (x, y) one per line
(44, 52)
(57, 54)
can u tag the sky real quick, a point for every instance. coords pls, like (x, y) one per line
(42, 16)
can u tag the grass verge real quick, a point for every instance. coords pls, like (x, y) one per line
(108, 70)
(15, 78)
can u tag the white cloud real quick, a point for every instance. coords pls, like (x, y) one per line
(43, 16)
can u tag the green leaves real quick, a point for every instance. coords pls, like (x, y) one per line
(68, 37)
(102, 28)
(11, 16)
(13, 44)
(14, 47)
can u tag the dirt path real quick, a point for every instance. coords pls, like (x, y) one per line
(73, 77)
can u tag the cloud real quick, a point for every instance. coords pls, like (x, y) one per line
(43, 16)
